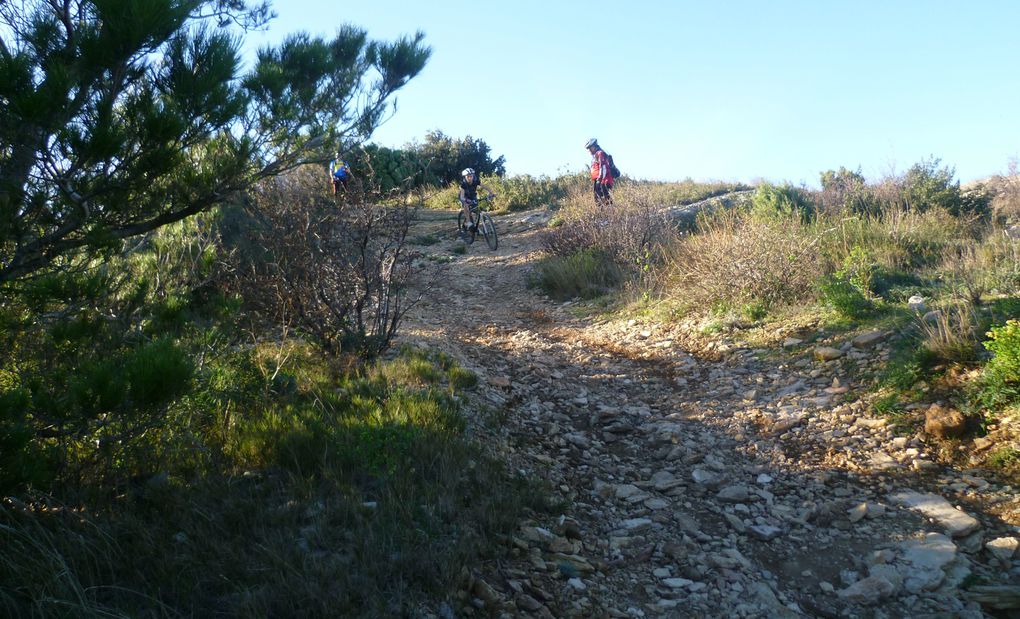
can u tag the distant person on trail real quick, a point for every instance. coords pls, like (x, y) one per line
(339, 173)
(601, 174)
(469, 192)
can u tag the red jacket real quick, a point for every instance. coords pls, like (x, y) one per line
(600, 168)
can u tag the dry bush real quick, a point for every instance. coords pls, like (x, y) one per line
(992, 265)
(951, 335)
(630, 230)
(735, 260)
(897, 239)
(1006, 203)
(335, 269)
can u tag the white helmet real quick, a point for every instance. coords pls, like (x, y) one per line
(591, 142)
(468, 172)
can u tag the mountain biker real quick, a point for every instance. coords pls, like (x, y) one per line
(601, 175)
(469, 192)
(339, 173)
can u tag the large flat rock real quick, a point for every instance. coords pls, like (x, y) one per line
(955, 522)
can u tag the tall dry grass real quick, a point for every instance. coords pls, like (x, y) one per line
(736, 260)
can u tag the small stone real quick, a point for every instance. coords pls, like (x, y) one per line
(733, 494)
(633, 525)
(484, 592)
(624, 491)
(528, 603)
(706, 478)
(656, 504)
(577, 584)
(868, 590)
(858, 512)
(916, 304)
(1003, 548)
(499, 381)
(790, 342)
(765, 532)
(827, 353)
(677, 583)
(869, 340)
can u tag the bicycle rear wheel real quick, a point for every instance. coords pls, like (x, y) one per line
(489, 231)
(468, 235)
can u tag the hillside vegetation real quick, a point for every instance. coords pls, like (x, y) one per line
(936, 265)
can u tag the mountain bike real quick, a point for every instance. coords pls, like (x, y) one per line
(480, 222)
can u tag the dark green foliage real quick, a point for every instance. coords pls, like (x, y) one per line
(436, 162)
(839, 293)
(927, 186)
(123, 116)
(445, 157)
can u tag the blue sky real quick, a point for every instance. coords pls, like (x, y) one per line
(735, 90)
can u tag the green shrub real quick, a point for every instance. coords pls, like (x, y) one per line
(1002, 373)
(926, 186)
(772, 202)
(587, 274)
(859, 269)
(840, 294)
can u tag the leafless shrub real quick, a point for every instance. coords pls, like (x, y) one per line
(333, 268)
(630, 230)
(738, 261)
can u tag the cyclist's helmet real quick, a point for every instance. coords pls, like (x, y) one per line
(468, 172)
(591, 142)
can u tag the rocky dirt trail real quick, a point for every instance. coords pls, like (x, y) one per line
(703, 481)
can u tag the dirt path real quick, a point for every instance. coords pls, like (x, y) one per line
(700, 483)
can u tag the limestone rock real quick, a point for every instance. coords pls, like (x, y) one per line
(868, 340)
(1003, 548)
(942, 422)
(954, 521)
(868, 590)
(827, 353)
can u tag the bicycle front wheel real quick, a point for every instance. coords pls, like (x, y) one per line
(488, 228)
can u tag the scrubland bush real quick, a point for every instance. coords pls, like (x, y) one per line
(596, 248)
(780, 202)
(334, 270)
(738, 261)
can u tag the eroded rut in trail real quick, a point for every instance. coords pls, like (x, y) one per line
(726, 483)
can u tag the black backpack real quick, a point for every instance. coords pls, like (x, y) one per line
(615, 171)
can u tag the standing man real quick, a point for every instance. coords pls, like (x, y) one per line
(601, 174)
(339, 173)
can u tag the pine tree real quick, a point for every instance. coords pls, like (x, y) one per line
(121, 116)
